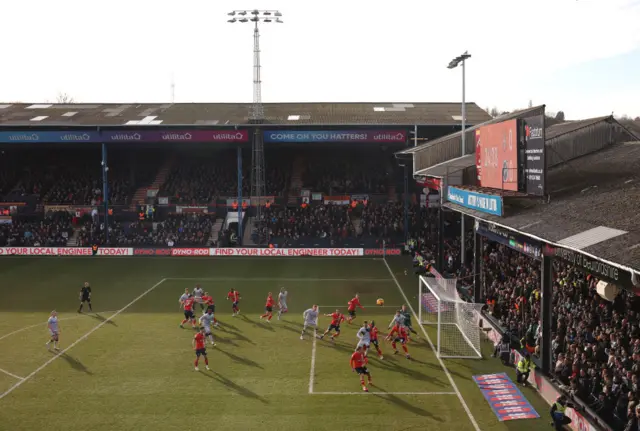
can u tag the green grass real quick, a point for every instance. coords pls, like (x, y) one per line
(136, 371)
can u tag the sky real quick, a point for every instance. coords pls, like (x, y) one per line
(578, 56)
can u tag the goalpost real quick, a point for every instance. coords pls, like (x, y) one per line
(457, 321)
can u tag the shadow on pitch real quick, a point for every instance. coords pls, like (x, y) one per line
(227, 326)
(390, 364)
(227, 341)
(76, 364)
(235, 387)
(100, 318)
(241, 360)
(404, 404)
(291, 322)
(239, 337)
(264, 325)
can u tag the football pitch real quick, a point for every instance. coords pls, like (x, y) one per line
(129, 366)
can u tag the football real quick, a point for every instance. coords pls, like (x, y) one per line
(380, 302)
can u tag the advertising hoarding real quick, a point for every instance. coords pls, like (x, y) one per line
(296, 136)
(498, 158)
(489, 204)
(125, 135)
(534, 163)
(519, 243)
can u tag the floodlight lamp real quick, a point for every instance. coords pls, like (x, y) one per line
(277, 14)
(453, 64)
(266, 20)
(232, 13)
(254, 19)
(243, 13)
(266, 13)
(255, 12)
(232, 20)
(279, 21)
(244, 20)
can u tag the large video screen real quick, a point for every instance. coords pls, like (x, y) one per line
(497, 160)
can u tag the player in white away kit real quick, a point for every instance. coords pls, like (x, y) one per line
(54, 330)
(206, 320)
(197, 293)
(282, 302)
(364, 337)
(186, 295)
(398, 319)
(310, 320)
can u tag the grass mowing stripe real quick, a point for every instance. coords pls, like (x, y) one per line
(384, 393)
(444, 367)
(62, 352)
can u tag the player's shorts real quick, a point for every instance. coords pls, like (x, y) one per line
(85, 299)
(202, 352)
(310, 325)
(352, 313)
(283, 307)
(362, 343)
(362, 370)
(268, 309)
(375, 342)
(235, 304)
(188, 314)
(334, 327)
(400, 340)
(207, 330)
(54, 335)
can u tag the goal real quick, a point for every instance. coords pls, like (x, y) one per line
(458, 332)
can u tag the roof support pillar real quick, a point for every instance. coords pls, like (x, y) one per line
(546, 319)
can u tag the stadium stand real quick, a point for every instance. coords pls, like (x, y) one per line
(53, 230)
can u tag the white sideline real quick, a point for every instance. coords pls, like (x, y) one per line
(383, 393)
(444, 367)
(312, 373)
(62, 352)
(44, 324)
(365, 280)
(11, 374)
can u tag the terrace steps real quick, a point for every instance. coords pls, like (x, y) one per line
(297, 171)
(215, 230)
(140, 196)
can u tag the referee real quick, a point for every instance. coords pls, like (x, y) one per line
(85, 296)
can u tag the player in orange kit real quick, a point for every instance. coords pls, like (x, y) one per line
(234, 296)
(373, 331)
(187, 305)
(359, 365)
(199, 345)
(336, 319)
(399, 334)
(268, 307)
(355, 302)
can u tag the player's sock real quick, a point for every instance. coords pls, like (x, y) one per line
(270, 316)
(336, 335)
(405, 349)
(90, 307)
(196, 363)
(394, 345)
(80, 309)
(183, 322)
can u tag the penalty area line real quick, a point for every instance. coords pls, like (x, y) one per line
(43, 324)
(312, 373)
(84, 337)
(250, 279)
(442, 364)
(383, 393)
(11, 374)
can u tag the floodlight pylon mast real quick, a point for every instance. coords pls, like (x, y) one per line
(258, 188)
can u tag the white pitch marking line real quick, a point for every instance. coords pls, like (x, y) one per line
(383, 393)
(367, 280)
(44, 324)
(11, 374)
(312, 373)
(62, 352)
(444, 367)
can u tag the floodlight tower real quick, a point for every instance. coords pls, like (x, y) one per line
(452, 65)
(257, 110)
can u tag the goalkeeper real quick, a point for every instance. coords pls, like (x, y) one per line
(404, 312)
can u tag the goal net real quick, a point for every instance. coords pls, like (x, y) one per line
(457, 321)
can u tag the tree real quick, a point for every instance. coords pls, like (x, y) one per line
(530, 103)
(494, 112)
(560, 116)
(64, 98)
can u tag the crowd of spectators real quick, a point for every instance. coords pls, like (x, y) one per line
(200, 180)
(52, 231)
(177, 230)
(351, 172)
(595, 342)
